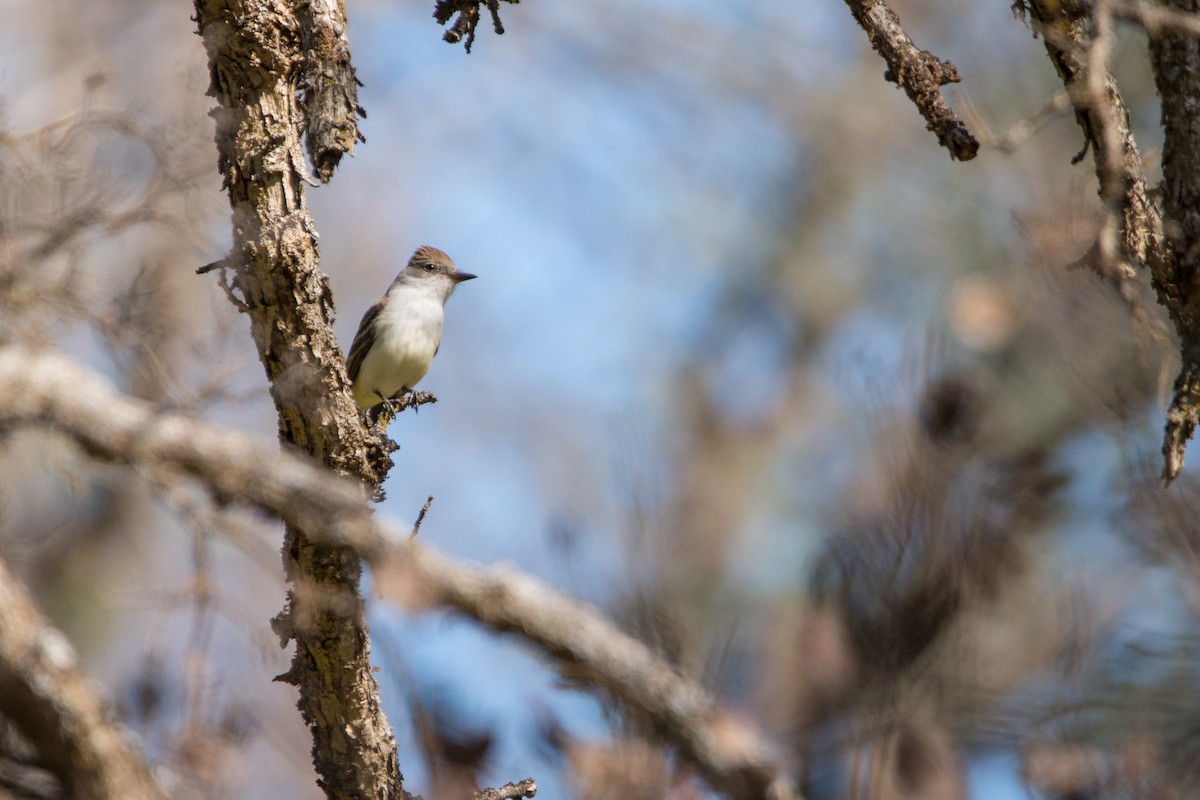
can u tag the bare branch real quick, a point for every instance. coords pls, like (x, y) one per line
(48, 389)
(52, 704)
(421, 518)
(1079, 51)
(1175, 58)
(918, 72)
(383, 413)
(1132, 229)
(593, 651)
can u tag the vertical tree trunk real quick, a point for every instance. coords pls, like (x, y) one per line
(257, 57)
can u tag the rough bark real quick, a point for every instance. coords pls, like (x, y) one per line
(1067, 31)
(330, 85)
(53, 706)
(257, 59)
(1165, 243)
(1175, 56)
(918, 72)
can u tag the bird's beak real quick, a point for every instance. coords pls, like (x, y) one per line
(459, 277)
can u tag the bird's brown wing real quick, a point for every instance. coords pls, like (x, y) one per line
(363, 339)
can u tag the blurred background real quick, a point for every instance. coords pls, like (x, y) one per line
(828, 419)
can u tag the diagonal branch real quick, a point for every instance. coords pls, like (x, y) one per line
(1157, 18)
(40, 388)
(53, 705)
(918, 72)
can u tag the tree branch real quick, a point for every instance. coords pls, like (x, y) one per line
(54, 707)
(1132, 229)
(918, 72)
(1175, 57)
(1157, 19)
(509, 791)
(330, 98)
(48, 389)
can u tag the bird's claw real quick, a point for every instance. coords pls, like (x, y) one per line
(388, 407)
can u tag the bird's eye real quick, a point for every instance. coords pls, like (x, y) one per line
(427, 267)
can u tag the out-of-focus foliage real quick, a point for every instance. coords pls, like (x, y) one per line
(826, 417)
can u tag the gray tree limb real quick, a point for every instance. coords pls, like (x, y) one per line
(47, 389)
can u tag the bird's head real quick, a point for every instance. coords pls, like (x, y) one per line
(430, 267)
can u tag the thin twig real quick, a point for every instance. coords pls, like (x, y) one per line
(918, 72)
(1019, 132)
(420, 518)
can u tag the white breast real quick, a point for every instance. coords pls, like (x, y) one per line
(407, 333)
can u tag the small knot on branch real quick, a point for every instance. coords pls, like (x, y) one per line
(923, 69)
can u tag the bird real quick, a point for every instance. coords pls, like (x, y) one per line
(399, 336)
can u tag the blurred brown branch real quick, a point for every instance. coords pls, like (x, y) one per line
(53, 705)
(1156, 18)
(1020, 131)
(918, 72)
(44, 388)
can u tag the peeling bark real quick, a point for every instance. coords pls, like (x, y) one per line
(257, 58)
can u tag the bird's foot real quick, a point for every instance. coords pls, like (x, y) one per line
(388, 407)
(410, 398)
(392, 406)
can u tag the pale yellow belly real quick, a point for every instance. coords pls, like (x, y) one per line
(392, 367)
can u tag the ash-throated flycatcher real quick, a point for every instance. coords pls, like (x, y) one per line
(399, 336)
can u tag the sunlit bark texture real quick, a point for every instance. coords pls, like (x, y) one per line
(257, 57)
